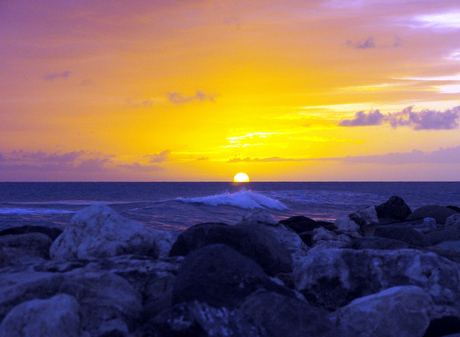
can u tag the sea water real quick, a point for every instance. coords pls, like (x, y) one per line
(175, 206)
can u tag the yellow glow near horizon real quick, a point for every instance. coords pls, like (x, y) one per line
(241, 178)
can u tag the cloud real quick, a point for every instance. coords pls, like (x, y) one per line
(266, 160)
(76, 161)
(449, 155)
(141, 168)
(159, 157)
(423, 120)
(178, 98)
(363, 119)
(54, 76)
(442, 156)
(367, 44)
(86, 82)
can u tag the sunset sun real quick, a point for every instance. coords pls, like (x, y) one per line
(241, 178)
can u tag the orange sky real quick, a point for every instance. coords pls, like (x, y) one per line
(200, 90)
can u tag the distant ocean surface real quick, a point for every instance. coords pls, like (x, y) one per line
(177, 206)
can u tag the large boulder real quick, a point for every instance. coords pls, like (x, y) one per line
(57, 316)
(402, 233)
(399, 311)
(392, 210)
(300, 223)
(279, 315)
(445, 234)
(51, 232)
(333, 278)
(252, 240)
(375, 242)
(99, 231)
(25, 248)
(221, 277)
(439, 213)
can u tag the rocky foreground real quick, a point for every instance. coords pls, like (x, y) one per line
(382, 271)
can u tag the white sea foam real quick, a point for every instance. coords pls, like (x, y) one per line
(242, 199)
(32, 211)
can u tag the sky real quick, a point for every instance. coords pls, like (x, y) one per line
(198, 90)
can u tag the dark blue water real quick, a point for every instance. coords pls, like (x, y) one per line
(176, 206)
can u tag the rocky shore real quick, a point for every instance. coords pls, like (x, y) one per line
(383, 271)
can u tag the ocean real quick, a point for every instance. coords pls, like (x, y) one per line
(175, 206)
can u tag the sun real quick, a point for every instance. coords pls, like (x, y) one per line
(241, 178)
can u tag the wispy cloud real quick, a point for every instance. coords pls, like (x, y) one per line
(442, 156)
(422, 120)
(367, 44)
(200, 96)
(141, 168)
(77, 161)
(54, 76)
(159, 157)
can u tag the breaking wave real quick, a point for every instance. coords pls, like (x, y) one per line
(241, 199)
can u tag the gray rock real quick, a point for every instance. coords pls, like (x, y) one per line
(115, 294)
(394, 208)
(399, 311)
(333, 278)
(23, 248)
(283, 316)
(439, 213)
(221, 277)
(260, 216)
(453, 221)
(252, 240)
(299, 223)
(98, 231)
(51, 232)
(195, 319)
(402, 233)
(375, 242)
(444, 234)
(448, 249)
(57, 316)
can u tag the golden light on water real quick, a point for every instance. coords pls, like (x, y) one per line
(241, 178)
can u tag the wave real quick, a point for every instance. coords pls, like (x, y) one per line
(33, 211)
(241, 199)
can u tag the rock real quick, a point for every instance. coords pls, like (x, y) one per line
(346, 224)
(394, 208)
(333, 278)
(299, 223)
(252, 240)
(324, 239)
(402, 233)
(398, 311)
(52, 232)
(33, 245)
(108, 302)
(283, 316)
(260, 216)
(445, 234)
(221, 277)
(290, 240)
(448, 249)
(375, 242)
(439, 213)
(366, 219)
(448, 326)
(98, 231)
(455, 208)
(453, 221)
(195, 319)
(57, 316)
